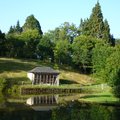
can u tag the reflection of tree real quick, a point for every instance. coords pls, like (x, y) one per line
(24, 115)
(116, 113)
(98, 112)
(2, 100)
(83, 111)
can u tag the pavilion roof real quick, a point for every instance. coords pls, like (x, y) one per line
(43, 70)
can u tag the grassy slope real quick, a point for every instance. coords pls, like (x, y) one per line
(16, 70)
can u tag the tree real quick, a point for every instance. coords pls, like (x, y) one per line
(14, 41)
(31, 39)
(14, 46)
(45, 48)
(26, 37)
(96, 22)
(68, 31)
(112, 71)
(18, 29)
(11, 30)
(95, 26)
(2, 44)
(65, 31)
(112, 67)
(62, 52)
(32, 23)
(15, 29)
(82, 52)
(106, 31)
(101, 53)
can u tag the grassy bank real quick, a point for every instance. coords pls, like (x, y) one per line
(15, 71)
(103, 97)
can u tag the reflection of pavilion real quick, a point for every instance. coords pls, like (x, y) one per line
(43, 103)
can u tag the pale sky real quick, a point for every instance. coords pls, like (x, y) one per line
(52, 13)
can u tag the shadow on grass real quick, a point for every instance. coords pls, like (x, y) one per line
(12, 65)
(17, 65)
(64, 81)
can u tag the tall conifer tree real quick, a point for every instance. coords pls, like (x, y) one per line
(95, 26)
(31, 24)
(18, 29)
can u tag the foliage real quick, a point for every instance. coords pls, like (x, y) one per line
(82, 51)
(68, 32)
(62, 52)
(14, 46)
(117, 41)
(112, 68)
(96, 27)
(106, 63)
(100, 54)
(31, 39)
(83, 111)
(22, 42)
(15, 29)
(32, 24)
(45, 48)
(65, 31)
(2, 44)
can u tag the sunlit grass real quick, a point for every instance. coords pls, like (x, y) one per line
(103, 97)
(76, 77)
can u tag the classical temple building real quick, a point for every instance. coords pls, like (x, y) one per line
(44, 75)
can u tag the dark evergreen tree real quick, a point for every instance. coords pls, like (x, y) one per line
(31, 24)
(2, 44)
(112, 40)
(18, 29)
(11, 30)
(15, 29)
(84, 27)
(96, 27)
(96, 22)
(106, 30)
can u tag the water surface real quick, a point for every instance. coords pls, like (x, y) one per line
(54, 107)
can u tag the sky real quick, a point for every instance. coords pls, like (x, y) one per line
(52, 13)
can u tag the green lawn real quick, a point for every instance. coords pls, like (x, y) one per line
(103, 97)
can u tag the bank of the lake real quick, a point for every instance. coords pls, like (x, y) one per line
(13, 73)
(74, 88)
(13, 76)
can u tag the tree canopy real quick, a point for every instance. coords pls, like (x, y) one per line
(96, 26)
(32, 23)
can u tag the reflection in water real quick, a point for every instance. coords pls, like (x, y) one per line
(2, 101)
(43, 103)
(41, 108)
(84, 111)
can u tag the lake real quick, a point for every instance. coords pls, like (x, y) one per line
(54, 107)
